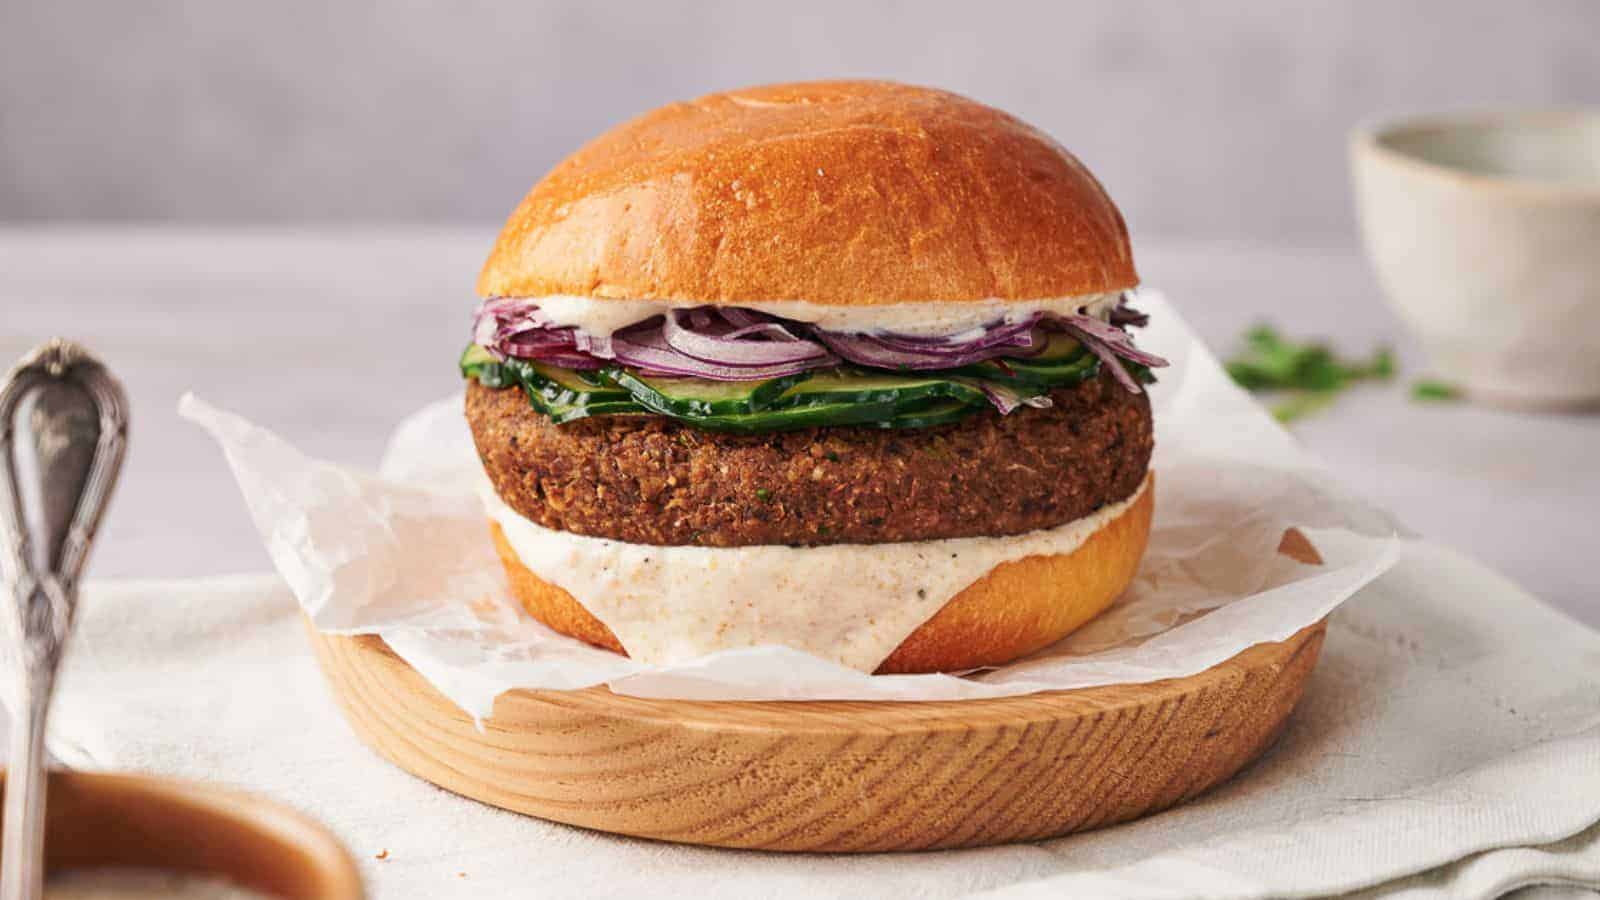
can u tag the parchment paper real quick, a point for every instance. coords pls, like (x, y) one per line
(403, 552)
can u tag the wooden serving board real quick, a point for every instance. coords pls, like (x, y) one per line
(830, 776)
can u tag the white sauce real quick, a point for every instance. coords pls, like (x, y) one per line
(851, 603)
(604, 316)
(141, 884)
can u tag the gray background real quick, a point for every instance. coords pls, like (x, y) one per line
(1216, 120)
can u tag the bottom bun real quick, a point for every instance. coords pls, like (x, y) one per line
(1017, 608)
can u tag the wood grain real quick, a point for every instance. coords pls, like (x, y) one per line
(830, 776)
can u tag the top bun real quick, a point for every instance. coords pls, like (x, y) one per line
(848, 193)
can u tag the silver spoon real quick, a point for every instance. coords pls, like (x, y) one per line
(63, 429)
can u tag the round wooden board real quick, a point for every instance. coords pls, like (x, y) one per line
(830, 776)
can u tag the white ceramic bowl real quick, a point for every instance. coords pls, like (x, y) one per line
(1485, 234)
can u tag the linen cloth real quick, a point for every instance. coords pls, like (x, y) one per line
(1452, 729)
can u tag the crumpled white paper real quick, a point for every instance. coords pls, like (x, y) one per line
(404, 553)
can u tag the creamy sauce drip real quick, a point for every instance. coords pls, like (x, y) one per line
(850, 603)
(603, 316)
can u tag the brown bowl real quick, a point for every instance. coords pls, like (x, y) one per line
(101, 820)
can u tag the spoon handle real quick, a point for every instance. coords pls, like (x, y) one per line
(63, 429)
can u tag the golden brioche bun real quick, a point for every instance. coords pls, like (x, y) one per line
(849, 193)
(1017, 608)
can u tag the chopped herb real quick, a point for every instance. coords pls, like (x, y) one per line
(1430, 391)
(1300, 404)
(822, 530)
(831, 456)
(1383, 366)
(763, 495)
(1310, 371)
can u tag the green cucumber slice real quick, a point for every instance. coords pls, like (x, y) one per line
(564, 386)
(479, 363)
(560, 413)
(942, 413)
(1049, 373)
(697, 398)
(1059, 347)
(899, 391)
(475, 355)
(566, 395)
(561, 394)
(792, 417)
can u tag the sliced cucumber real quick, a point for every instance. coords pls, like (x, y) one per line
(839, 397)
(479, 363)
(564, 386)
(1059, 347)
(900, 391)
(1062, 371)
(475, 355)
(942, 413)
(560, 413)
(1057, 373)
(696, 397)
(561, 394)
(792, 417)
(566, 394)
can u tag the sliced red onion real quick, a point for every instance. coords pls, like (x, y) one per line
(594, 345)
(1016, 340)
(648, 349)
(572, 360)
(1109, 360)
(719, 349)
(763, 329)
(867, 351)
(1125, 316)
(1018, 333)
(554, 346)
(877, 352)
(1006, 399)
(538, 338)
(483, 331)
(733, 344)
(1092, 330)
(742, 318)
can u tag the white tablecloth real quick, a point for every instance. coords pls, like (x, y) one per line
(1452, 716)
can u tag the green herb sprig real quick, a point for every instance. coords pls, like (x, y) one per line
(1428, 390)
(1308, 374)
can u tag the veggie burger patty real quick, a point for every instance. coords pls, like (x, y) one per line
(654, 480)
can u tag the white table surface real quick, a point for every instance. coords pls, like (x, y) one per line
(330, 337)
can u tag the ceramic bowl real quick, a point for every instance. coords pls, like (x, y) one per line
(99, 820)
(1484, 231)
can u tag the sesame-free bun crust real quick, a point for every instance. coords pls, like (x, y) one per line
(1017, 608)
(848, 193)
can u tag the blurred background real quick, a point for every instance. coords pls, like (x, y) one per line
(283, 206)
(1223, 119)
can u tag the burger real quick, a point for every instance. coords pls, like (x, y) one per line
(844, 367)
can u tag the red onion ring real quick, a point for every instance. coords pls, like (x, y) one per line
(720, 349)
(734, 344)
(648, 349)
